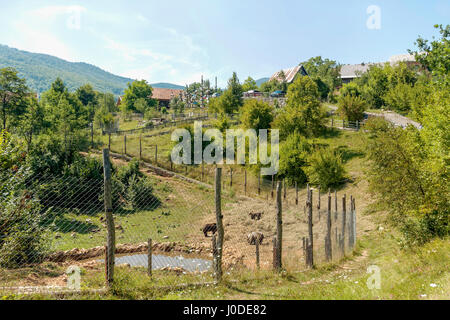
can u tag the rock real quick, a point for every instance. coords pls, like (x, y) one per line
(166, 237)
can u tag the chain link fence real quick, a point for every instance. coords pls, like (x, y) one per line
(51, 226)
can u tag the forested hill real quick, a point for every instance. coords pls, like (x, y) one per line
(41, 70)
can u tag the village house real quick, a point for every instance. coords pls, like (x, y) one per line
(289, 75)
(162, 95)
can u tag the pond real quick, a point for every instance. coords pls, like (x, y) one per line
(161, 261)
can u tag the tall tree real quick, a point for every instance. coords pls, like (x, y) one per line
(249, 84)
(325, 72)
(88, 98)
(13, 89)
(137, 90)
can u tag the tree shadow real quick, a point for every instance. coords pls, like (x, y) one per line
(348, 154)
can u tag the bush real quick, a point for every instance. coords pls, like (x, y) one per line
(326, 169)
(132, 189)
(303, 112)
(256, 114)
(22, 238)
(293, 158)
(351, 107)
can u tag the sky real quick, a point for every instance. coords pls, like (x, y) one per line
(179, 41)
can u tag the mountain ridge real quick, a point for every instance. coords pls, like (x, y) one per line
(40, 70)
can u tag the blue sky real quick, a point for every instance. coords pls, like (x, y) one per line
(178, 41)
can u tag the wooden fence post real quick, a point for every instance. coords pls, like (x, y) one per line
(344, 223)
(328, 250)
(273, 186)
(335, 206)
(274, 253)
(156, 154)
(354, 222)
(350, 224)
(310, 241)
(111, 236)
(125, 144)
(257, 253)
(284, 189)
(215, 258)
(259, 183)
(109, 140)
(203, 170)
(245, 181)
(279, 226)
(140, 147)
(220, 231)
(296, 193)
(149, 259)
(231, 177)
(92, 135)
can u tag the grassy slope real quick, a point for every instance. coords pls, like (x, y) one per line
(421, 273)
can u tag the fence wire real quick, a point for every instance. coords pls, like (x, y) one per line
(49, 223)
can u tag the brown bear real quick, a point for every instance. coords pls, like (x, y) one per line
(255, 215)
(209, 227)
(255, 236)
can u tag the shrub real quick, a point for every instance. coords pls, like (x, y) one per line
(351, 107)
(303, 112)
(326, 169)
(256, 114)
(293, 158)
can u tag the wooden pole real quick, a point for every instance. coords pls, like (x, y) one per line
(259, 183)
(231, 177)
(335, 206)
(257, 253)
(220, 231)
(274, 255)
(92, 135)
(350, 224)
(111, 236)
(328, 250)
(156, 154)
(279, 226)
(296, 193)
(125, 144)
(109, 141)
(245, 181)
(273, 186)
(140, 146)
(344, 222)
(310, 241)
(149, 257)
(354, 222)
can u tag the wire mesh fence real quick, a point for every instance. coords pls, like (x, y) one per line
(51, 224)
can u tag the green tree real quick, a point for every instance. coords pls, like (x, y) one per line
(325, 72)
(303, 112)
(325, 168)
(137, 90)
(89, 99)
(13, 90)
(294, 152)
(351, 107)
(434, 55)
(249, 84)
(256, 114)
(235, 88)
(31, 121)
(176, 104)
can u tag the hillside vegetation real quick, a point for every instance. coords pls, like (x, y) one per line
(41, 70)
